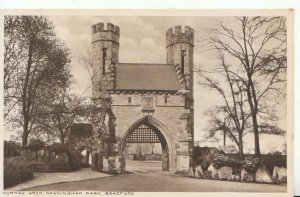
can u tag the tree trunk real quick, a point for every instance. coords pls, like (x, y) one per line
(241, 147)
(254, 120)
(256, 136)
(24, 138)
(224, 138)
(253, 110)
(62, 135)
(25, 97)
(62, 139)
(25, 132)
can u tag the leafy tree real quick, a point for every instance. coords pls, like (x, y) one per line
(11, 62)
(60, 112)
(36, 144)
(257, 52)
(36, 64)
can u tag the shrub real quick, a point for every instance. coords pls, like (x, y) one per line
(268, 160)
(16, 170)
(251, 164)
(205, 156)
(74, 156)
(36, 145)
(272, 160)
(11, 149)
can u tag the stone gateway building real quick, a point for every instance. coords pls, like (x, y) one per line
(142, 103)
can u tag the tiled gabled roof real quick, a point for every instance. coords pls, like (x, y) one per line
(132, 76)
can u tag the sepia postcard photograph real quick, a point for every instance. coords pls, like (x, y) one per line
(107, 102)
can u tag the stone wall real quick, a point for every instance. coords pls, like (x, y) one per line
(128, 114)
(169, 114)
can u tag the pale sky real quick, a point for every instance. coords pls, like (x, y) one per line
(142, 40)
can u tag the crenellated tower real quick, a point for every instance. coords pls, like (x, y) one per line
(105, 54)
(180, 52)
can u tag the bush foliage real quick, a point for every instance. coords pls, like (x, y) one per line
(16, 170)
(205, 156)
(11, 149)
(36, 145)
(268, 160)
(74, 157)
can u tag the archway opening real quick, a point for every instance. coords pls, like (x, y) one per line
(145, 149)
(85, 158)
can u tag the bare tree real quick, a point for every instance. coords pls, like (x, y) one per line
(232, 117)
(256, 47)
(87, 62)
(35, 63)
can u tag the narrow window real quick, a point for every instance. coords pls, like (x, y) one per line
(182, 61)
(104, 57)
(166, 100)
(129, 99)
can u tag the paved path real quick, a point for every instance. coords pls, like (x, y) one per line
(151, 178)
(41, 179)
(157, 182)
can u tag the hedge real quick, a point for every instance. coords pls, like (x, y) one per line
(11, 149)
(16, 170)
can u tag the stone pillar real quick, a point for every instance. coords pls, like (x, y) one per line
(100, 162)
(184, 152)
(123, 162)
(111, 160)
(165, 158)
(94, 160)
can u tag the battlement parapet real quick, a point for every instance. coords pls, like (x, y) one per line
(105, 32)
(176, 35)
(109, 27)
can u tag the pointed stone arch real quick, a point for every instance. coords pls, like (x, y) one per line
(169, 149)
